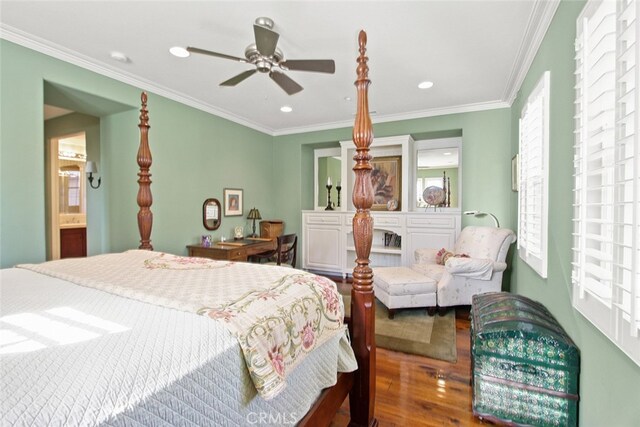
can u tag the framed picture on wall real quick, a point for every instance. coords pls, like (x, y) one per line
(385, 179)
(232, 202)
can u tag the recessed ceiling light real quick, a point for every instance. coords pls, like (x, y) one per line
(425, 85)
(286, 109)
(347, 98)
(446, 154)
(180, 52)
(120, 57)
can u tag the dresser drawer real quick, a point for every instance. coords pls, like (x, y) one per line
(386, 220)
(225, 252)
(237, 255)
(323, 219)
(431, 221)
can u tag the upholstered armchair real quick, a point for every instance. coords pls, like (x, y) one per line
(474, 266)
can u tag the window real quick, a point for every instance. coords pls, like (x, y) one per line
(533, 193)
(606, 212)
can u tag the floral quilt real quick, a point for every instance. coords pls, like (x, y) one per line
(277, 314)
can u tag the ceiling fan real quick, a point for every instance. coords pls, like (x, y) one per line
(267, 58)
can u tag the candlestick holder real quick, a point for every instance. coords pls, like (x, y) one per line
(329, 207)
(338, 187)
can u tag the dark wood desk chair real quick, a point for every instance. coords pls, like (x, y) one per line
(284, 254)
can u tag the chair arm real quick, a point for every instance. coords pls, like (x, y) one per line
(473, 268)
(425, 256)
(499, 266)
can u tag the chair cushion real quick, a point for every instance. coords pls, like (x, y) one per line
(403, 281)
(432, 271)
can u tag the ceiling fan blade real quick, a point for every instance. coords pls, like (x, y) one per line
(266, 40)
(317, 65)
(285, 82)
(240, 77)
(219, 55)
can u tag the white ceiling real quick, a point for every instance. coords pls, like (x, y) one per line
(476, 52)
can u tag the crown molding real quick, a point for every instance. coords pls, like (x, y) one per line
(378, 118)
(54, 50)
(539, 21)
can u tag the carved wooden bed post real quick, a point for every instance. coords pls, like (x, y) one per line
(145, 216)
(362, 326)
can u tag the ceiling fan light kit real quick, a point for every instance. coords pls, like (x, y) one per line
(265, 56)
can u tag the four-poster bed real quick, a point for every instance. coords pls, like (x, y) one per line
(77, 354)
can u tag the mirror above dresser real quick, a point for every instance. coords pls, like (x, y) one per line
(327, 166)
(438, 168)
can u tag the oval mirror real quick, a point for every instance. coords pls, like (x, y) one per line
(211, 214)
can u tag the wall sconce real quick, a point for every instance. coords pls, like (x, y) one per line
(91, 168)
(254, 214)
(479, 214)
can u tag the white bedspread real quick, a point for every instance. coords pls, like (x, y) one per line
(278, 314)
(71, 355)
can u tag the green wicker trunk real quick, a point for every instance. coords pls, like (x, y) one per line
(525, 367)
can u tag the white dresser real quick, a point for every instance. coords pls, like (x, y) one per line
(327, 238)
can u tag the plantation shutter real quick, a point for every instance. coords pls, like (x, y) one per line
(594, 153)
(532, 195)
(606, 252)
(626, 277)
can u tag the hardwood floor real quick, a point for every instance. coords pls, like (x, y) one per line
(417, 391)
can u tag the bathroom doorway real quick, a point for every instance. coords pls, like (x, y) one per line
(67, 196)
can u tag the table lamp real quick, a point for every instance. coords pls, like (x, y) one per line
(254, 214)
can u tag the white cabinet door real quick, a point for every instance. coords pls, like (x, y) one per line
(322, 248)
(322, 242)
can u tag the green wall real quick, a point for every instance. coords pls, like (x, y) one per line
(195, 156)
(609, 380)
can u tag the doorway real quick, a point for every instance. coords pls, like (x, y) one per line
(67, 196)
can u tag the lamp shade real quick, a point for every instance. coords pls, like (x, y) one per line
(90, 167)
(254, 214)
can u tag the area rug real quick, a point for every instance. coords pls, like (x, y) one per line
(413, 331)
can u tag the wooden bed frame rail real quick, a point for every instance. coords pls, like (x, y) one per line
(361, 384)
